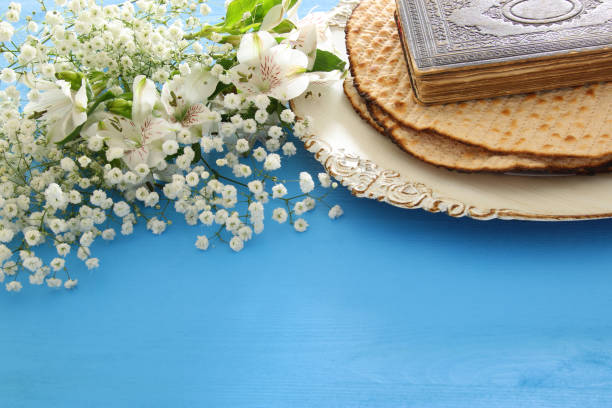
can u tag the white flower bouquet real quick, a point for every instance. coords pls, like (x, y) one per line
(139, 108)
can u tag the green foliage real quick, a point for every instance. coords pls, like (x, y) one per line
(284, 27)
(75, 79)
(326, 61)
(98, 81)
(121, 107)
(236, 9)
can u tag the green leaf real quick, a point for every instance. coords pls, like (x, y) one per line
(237, 8)
(197, 149)
(226, 63)
(128, 96)
(222, 88)
(235, 11)
(262, 9)
(120, 107)
(73, 78)
(284, 27)
(291, 4)
(98, 81)
(326, 61)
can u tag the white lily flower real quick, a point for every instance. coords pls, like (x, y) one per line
(275, 15)
(312, 33)
(138, 140)
(60, 107)
(279, 72)
(253, 46)
(184, 98)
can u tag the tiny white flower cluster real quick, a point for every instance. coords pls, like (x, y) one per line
(130, 114)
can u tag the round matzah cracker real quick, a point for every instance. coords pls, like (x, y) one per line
(442, 151)
(569, 122)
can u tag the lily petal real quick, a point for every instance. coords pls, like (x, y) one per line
(307, 43)
(292, 12)
(291, 89)
(199, 85)
(145, 97)
(273, 18)
(253, 46)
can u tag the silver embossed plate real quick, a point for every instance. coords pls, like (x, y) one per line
(371, 166)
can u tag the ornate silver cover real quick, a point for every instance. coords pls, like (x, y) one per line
(442, 34)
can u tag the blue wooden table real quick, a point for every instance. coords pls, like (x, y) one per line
(381, 308)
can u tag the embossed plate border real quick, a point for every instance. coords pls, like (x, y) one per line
(367, 179)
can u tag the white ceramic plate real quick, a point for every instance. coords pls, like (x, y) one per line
(371, 166)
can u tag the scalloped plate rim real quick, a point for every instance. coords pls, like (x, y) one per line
(368, 179)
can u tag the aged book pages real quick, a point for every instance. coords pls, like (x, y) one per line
(468, 49)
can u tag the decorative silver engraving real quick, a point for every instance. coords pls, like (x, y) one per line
(541, 11)
(450, 33)
(538, 12)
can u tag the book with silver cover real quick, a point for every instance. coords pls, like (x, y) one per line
(468, 49)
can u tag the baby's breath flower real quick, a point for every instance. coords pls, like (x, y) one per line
(63, 249)
(92, 263)
(236, 243)
(8, 75)
(242, 170)
(103, 147)
(71, 283)
(299, 208)
(279, 191)
(84, 161)
(216, 37)
(300, 129)
(204, 9)
(221, 216)
(335, 212)
(272, 162)
(108, 234)
(324, 179)
(67, 164)
(202, 242)
(279, 215)
(54, 282)
(192, 179)
(6, 31)
(260, 154)
(231, 101)
(275, 132)
(261, 116)
(272, 145)
(227, 129)
(249, 126)
(170, 147)
(255, 186)
(13, 286)
(57, 263)
(207, 218)
(300, 225)
(306, 183)
(289, 149)
(287, 116)
(242, 146)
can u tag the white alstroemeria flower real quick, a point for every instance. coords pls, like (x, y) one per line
(253, 46)
(62, 109)
(275, 15)
(184, 98)
(312, 33)
(140, 139)
(278, 71)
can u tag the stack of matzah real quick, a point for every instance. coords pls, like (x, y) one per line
(567, 130)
